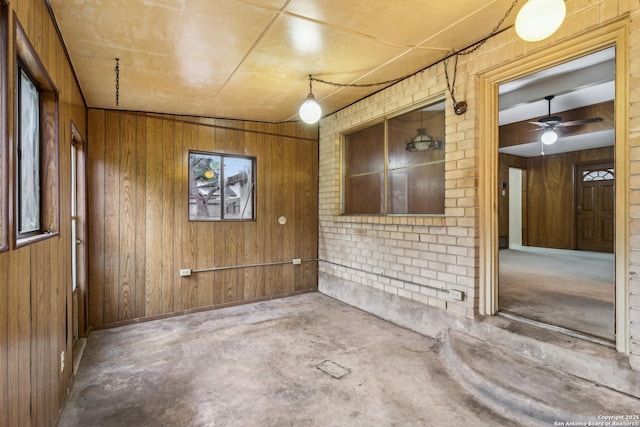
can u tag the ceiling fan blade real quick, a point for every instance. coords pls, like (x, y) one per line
(581, 122)
(541, 124)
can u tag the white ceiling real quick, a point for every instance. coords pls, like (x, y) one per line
(585, 81)
(249, 59)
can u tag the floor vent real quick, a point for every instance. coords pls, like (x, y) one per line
(333, 369)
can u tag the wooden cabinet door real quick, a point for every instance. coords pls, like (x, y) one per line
(595, 208)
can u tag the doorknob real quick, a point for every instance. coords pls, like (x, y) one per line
(78, 241)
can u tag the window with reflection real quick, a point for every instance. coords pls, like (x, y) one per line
(37, 193)
(221, 187)
(28, 166)
(4, 143)
(397, 167)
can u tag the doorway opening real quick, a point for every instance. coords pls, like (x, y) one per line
(78, 245)
(561, 266)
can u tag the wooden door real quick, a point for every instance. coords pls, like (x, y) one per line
(595, 200)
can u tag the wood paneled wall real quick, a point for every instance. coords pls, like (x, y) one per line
(35, 280)
(139, 229)
(550, 214)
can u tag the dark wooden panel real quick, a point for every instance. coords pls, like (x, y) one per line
(154, 221)
(19, 334)
(595, 205)
(95, 224)
(112, 216)
(127, 226)
(288, 192)
(167, 178)
(179, 180)
(550, 221)
(149, 180)
(140, 216)
(4, 340)
(551, 214)
(190, 285)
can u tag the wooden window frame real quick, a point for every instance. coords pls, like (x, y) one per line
(28, 60)
(4, 117)
(387, 169)
(252, 189)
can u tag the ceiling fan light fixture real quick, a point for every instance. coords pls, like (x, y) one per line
(538, 19)
(310, 111)
(549, 137)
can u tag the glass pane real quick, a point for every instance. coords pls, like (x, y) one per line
(417, 137)
(364, 151)
(29, 156)
(74, 254)
(74, 220)
(238, 188)
(598, 175)
(204, 186)
(417, 190)
(364, 171)
(364, 194)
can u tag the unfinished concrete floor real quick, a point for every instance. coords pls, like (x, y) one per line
(300, 361)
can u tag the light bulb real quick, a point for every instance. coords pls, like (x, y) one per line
(310, 110)
(538, 19)
(549, 137)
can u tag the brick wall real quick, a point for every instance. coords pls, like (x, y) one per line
(634, 185)
(422, 258)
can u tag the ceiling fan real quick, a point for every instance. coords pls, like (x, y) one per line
(550, 123)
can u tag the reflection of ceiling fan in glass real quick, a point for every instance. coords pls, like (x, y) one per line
(550, 123)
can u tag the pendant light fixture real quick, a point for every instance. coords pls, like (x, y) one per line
(538, 19)
(310, 110)
(423, 142)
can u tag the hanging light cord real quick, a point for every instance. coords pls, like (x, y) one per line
(117, 70)
(450, 86)
(451, 83)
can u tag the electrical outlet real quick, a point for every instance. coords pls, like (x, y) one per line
(297, 261)
(62, 361)
(185, 272)
(456, 294)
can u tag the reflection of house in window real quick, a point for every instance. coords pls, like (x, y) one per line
(208, 200)
(236, 186)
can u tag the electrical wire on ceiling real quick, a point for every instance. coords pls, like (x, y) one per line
(459, 107)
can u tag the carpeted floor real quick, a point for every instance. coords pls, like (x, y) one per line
(571, 289)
